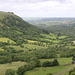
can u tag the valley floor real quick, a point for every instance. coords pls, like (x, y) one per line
(62, 69)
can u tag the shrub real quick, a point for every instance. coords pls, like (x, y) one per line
(21, 70)
(72, 72)
(73, 58)
(55, 62)
(45, 64)
(9, 72)
(49, 74)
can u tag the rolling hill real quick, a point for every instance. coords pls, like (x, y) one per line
(15, 28)
(22, 43)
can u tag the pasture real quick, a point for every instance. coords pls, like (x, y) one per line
(13, 65)
(1, 49)
(27, 47)
(6, 40)
(53, 70)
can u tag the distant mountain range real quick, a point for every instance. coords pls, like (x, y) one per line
(48, 19)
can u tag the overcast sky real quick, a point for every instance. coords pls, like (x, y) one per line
(39, 8)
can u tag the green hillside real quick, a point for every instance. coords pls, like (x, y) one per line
(32, 48)
(15, 28)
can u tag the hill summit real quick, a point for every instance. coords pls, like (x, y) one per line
(15, 28)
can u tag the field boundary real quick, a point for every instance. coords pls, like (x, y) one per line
(65, 70)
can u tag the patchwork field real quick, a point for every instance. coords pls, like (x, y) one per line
(27, 46)
(52, 38)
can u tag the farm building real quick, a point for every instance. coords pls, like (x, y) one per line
(73, 62)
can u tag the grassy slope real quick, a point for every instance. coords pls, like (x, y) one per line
(15, 28)
(6, 40)
(52, 37)
(53, 70)
(14, 65)
(45, 71)
(27, 46)
(62, 61)
(1, 49)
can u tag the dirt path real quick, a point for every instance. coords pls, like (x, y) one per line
(65, 70)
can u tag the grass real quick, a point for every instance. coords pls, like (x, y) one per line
(17, 47)
(6, 40)
(31, 46)
(61, 61)
(1, 49)
(62, 37)
(53, 70)
(56, 41)
(13, 65)
(67, 72)
(45, 71)
(70, 47)
(31, 41)
(27, 46)
(53, 38)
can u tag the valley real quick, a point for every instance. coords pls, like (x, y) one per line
(33, 49)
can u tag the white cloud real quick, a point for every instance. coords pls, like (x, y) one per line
(40, 8)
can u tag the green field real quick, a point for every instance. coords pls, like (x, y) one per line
(31, 46)
(27, 46)
(45, 71)
(6, 40)
(13, 65)
(16, 47)
(1, 49)
(62, 37)
(31, 41)
(61, 61)
(52, 38)
(53, 70)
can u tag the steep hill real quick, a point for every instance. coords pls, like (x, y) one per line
(15, 28)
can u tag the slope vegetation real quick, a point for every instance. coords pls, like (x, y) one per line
(15, 28)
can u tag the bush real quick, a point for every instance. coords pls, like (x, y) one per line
(9, 72)
(73, 58)
(50, 64)
(49, 74)
(55, 62)
(34, 61)
(72, 72)
(21, 70)
(5, 59)
(47, 64)
(2, 61)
